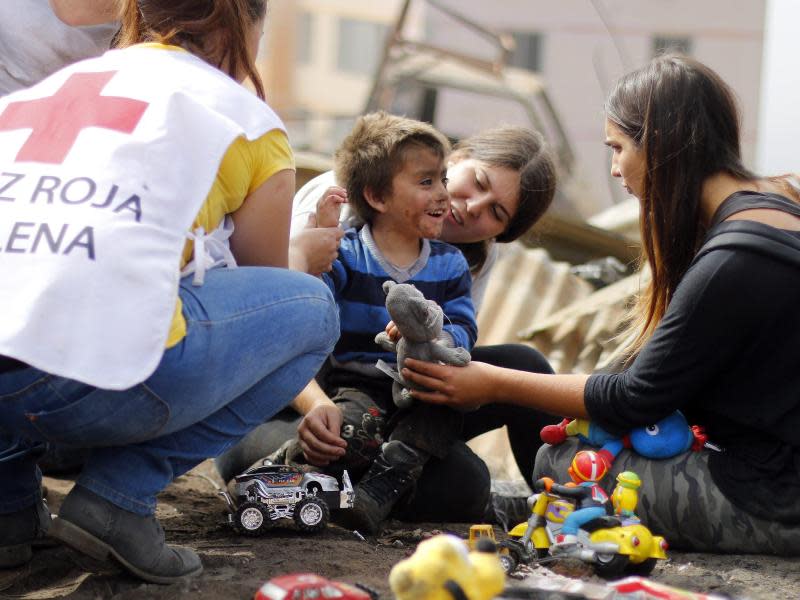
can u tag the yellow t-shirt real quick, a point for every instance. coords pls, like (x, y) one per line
(244, 167)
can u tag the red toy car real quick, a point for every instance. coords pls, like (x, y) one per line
(307, 586)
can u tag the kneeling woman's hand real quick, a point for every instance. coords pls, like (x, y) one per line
(319, 434)
(314, 249)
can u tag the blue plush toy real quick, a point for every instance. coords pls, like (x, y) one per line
(667, 438)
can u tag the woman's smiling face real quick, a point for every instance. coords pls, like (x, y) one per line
(483, 200)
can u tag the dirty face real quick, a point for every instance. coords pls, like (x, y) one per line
(627, 160)
(418, 203)
(483, 200)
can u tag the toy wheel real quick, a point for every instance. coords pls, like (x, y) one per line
(252, 518)
(610, 565)
(311, 514)
(508, 562)
(643, 568)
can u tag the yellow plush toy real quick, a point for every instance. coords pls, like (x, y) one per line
(442, 568)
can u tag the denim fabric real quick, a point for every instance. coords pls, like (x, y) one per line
(255, 337)
(578, 518)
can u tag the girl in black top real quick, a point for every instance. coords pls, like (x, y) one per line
(718, 323)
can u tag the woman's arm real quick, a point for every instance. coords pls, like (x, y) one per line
(261, 224)
(85, 12)
(479, 383)
(711, 319)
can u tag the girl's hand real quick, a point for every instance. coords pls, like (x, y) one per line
(461, 387)
(393, 332)
(329, 206)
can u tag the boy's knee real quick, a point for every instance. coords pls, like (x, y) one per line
(520, 357)
(363, 427)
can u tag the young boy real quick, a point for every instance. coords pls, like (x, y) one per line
(394, 173)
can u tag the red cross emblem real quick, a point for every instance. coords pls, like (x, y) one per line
(56, 121)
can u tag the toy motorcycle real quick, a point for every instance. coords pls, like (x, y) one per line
(612, 544)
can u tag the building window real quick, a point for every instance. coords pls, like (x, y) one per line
(415, 101)
(528, 51)
(302, 44)
(662, 44)
(360, 46)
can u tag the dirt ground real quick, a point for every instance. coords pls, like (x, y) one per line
(193, 514)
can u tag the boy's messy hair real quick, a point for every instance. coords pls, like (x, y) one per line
(373, 153)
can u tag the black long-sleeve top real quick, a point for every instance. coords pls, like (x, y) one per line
(727, 353)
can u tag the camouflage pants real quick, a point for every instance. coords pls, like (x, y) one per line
(679, 500)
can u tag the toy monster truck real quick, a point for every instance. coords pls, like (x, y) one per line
(268, 493)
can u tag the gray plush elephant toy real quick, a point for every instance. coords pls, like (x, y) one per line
(420, 323)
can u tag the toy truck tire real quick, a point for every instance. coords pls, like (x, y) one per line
(252, 518)
(610, 565)
(508, 561)
(311, 514)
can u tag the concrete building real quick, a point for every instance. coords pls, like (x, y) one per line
(580, 47)
(321, 57)
(319, 60)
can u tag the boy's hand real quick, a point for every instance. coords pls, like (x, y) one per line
(320, 434)
(393, 332)
(314, 249)
(329, 206)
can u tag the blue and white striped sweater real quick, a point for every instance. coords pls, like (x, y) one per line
(441, 274)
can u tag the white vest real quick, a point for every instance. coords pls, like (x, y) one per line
(103, 168)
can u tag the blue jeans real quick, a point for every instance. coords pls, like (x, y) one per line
(255, 337)
(578, 518)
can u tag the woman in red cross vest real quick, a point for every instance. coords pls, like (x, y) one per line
(138, 321)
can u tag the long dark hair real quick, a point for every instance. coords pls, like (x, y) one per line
(522, 150)
(685, 120)
(215, 29)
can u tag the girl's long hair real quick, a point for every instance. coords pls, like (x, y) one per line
(215, 29)
(522, 150)
(685, 120)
